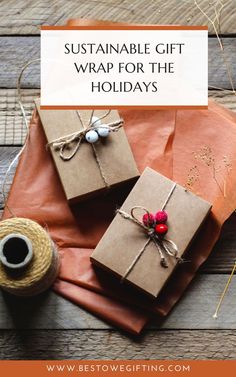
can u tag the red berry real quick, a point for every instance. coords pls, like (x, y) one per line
(148, 219)
(161, 217)
(161, 229)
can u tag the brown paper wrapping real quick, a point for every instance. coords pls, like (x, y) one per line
(81, 176)
(123, 239)
(166, 141)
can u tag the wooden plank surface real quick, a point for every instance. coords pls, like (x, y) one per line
(194, 310)
(49, 316)
(16, 51)
(113, 345)
(46, 311)
(26, 17)
(12, 130)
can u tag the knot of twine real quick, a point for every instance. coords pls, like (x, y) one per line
(163, 245)
(63, 143)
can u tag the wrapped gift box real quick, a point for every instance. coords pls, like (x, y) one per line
(124, 238)
(82, 175)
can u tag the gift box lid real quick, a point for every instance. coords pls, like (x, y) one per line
(94, 167)
(124, 239)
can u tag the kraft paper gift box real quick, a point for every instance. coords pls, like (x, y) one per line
(125, 239)
(94, 167)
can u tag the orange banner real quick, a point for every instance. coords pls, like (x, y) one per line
(124, 368)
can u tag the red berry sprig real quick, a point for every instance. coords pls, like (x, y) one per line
(157, 222)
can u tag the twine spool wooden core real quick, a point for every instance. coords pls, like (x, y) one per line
(15, 251)
(43, 268)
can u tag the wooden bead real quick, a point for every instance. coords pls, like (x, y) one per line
(103, 131)
(91, 136)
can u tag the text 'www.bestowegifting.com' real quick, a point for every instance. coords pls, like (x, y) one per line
(118, 368)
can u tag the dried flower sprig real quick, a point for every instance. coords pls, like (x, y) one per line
(192, 178)
(206, 156)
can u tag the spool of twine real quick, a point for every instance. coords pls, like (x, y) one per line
(29, 261)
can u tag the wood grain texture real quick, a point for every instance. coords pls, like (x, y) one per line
(26, 17)
(223, 255)
(6, 156)
(105, 345)
(12, 129)
(45, 311)
(194, 310)
(15, 52)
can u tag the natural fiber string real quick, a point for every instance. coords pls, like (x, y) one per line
(42, 270)
(215, 315)
(161, 244)
(93, 146)
(168, 197)
(62, 143)
(15, 159)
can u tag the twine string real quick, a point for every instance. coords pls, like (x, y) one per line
(136, 259)
(63, 143)
(163, 245)
(44, 266)
(215, 315)
(168, 197)
(102, 172)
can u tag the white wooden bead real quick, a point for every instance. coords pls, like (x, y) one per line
(96, 121)
(91, 136)
(103, 131)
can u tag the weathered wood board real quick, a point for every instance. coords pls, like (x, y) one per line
(16, 51)
(26, 16)
(114, 345)
(194, 310)
(12, 129)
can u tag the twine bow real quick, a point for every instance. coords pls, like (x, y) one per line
(64, 143)
(163, 245)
